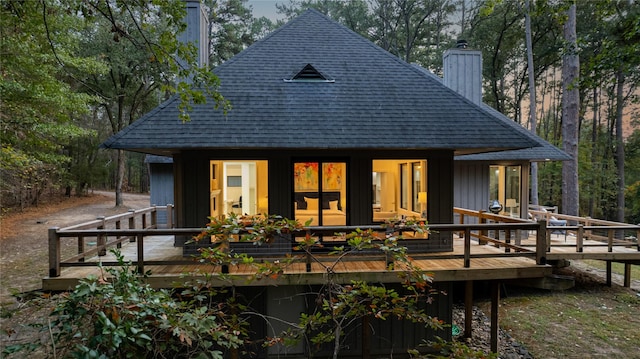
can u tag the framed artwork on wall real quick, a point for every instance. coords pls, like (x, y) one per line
(305, 176)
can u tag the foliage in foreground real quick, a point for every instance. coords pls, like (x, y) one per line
(123, 317)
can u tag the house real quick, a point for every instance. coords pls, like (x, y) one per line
(325, 127)
(320, 112)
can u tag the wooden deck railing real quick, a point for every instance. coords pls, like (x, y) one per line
(596, 229)
(602, 232)
(109, 233)
(503, 232)
(144, 219)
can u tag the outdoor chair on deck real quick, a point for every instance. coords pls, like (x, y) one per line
(554, 222)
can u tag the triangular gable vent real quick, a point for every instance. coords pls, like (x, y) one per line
(309, 74)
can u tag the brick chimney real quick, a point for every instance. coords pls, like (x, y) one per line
(197, 30)
(462, 69)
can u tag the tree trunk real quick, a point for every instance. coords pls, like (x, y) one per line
(120, 177)
(620, 144)
(570, 112)
(595, 163)
(532, 99)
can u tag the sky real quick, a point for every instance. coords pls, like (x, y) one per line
(266, 8)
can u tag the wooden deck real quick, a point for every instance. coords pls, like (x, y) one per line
(493, 248)
(73, 252)
(447, 266)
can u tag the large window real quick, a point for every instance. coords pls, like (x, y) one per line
(238, 187)
(399, 189)
(320, 193)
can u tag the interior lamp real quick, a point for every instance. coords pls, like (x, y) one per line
(422, 197)
(510, 203)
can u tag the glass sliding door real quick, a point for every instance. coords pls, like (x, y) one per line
(505, 186)
(512, 191)
(320, 193)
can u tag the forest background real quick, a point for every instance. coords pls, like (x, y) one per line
(75, 72)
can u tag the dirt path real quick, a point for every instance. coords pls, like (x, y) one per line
(23, 236)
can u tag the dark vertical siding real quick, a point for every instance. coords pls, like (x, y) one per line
(178, 190)
(440, 188)
(471, 187)
(360, 211)
(161, 181)
(192, 207)
(440, 197)
(280, 185)
(398, 336)
(195, 200)
(392, 336)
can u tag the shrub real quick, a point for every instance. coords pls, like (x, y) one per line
(125, 318)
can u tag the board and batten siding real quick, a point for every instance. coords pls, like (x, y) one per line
(161, 184)
(470, 187)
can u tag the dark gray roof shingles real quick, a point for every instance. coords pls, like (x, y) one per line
(376, 102)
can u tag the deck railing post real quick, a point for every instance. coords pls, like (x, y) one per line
(144, 220)
(308, 255)
(580, 238)
(81, 247)
(169, 216)
(54, 252)
(507, 240)
(388, 261)
(541, 243)
(610, 240)
(587, 223)
(483, 232)
(461, 233)
(132, 223)
(467, 247)
(140, 248)
(118, 226)
(101, 241)
(154, 216)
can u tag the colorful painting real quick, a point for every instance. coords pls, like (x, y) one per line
(332, 176)
(305, 176)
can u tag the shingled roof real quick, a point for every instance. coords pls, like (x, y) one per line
(544, 152)
(314, 84)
